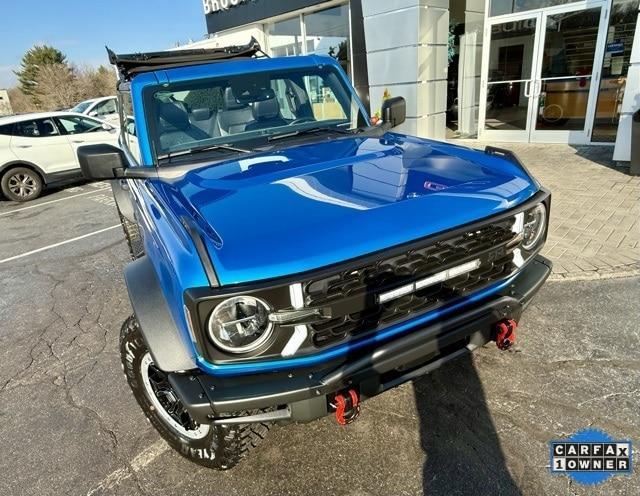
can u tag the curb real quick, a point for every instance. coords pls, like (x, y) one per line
(630, 270)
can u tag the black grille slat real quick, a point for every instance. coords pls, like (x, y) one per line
(360, 285)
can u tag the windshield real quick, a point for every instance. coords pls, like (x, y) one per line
(227, 111)
(81, 107)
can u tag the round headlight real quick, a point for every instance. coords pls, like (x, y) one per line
(535, 221)
(240, 324)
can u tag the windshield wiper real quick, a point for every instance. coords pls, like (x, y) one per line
(206, 148)
(311, 130)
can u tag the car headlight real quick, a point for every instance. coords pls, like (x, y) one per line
(535, 221)
(240, 324)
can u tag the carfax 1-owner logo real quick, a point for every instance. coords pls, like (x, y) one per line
(590, 456)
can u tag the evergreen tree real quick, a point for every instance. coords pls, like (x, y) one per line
(36, 57)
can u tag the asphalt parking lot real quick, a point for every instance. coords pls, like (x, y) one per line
(477, 426)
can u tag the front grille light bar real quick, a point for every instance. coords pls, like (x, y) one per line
(438, 277)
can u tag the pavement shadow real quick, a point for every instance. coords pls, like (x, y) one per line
(463, 453)
(601, 155)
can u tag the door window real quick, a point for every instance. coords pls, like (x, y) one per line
(567, 65)
(27, 129)
(510, 66)
(129, 131)
(78, 125)
(6, 130)
(106, 108)
(35, 128)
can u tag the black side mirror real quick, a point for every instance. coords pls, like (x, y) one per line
(99, 162)
(394, 111)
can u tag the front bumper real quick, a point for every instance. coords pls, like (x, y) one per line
(303, 395)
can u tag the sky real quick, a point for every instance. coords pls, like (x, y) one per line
(81, 28)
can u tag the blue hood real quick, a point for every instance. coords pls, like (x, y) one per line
(309, 206)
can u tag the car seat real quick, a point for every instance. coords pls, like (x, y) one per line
(47, 129)
(174, 126)
(266, 114)
(234, 116)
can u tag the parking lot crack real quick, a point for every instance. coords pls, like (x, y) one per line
(609, 395)
(90, 412)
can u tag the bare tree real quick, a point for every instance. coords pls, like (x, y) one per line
(56, 87)
(20, 103)
(96, 82)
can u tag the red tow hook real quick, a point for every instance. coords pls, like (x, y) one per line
(506, 333)
(347, 408)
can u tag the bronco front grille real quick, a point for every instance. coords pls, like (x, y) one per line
(352, 294)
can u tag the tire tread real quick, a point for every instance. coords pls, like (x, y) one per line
(231, 443)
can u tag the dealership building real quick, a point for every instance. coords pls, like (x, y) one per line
(545, 71)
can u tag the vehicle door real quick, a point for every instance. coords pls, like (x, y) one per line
(40, 142)
(6, 154)
(86, 131)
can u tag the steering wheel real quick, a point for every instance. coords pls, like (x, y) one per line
(300, 120)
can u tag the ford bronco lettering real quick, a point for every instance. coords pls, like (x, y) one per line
(291, 260)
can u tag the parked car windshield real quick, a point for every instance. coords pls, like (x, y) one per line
(227, 111)
(81, 107)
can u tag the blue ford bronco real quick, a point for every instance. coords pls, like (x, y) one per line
(290, 259)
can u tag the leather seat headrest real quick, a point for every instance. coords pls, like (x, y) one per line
(266, 109)
(201, 114)
(48, 129)
(230, 102)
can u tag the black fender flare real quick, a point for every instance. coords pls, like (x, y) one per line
(122, 195)
(163, 338)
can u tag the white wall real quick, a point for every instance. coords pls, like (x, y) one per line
(407, 56)
(470, 65)
(239, 36)
(5, 104)
(630, 102)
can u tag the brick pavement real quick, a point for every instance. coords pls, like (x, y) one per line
(595, 212)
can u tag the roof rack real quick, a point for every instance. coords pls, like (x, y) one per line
(130, 65)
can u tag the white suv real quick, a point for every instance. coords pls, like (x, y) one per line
(103, 108)
(37, 150)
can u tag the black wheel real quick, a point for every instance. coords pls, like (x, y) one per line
(21, 184)
(214, 446)
(133, 237)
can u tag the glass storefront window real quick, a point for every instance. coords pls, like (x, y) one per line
(285, 37)
(500, 7)
(327, 33)
(622, 26)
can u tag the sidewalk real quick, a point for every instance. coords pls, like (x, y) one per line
(594, 228)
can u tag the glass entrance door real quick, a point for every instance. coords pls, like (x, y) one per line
(539, 79)
(509, 69)
(563, 94)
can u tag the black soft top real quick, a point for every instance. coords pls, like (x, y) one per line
(130, 65)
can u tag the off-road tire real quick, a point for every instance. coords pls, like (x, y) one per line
(133, 237)
(221, 448)
(34, 183)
